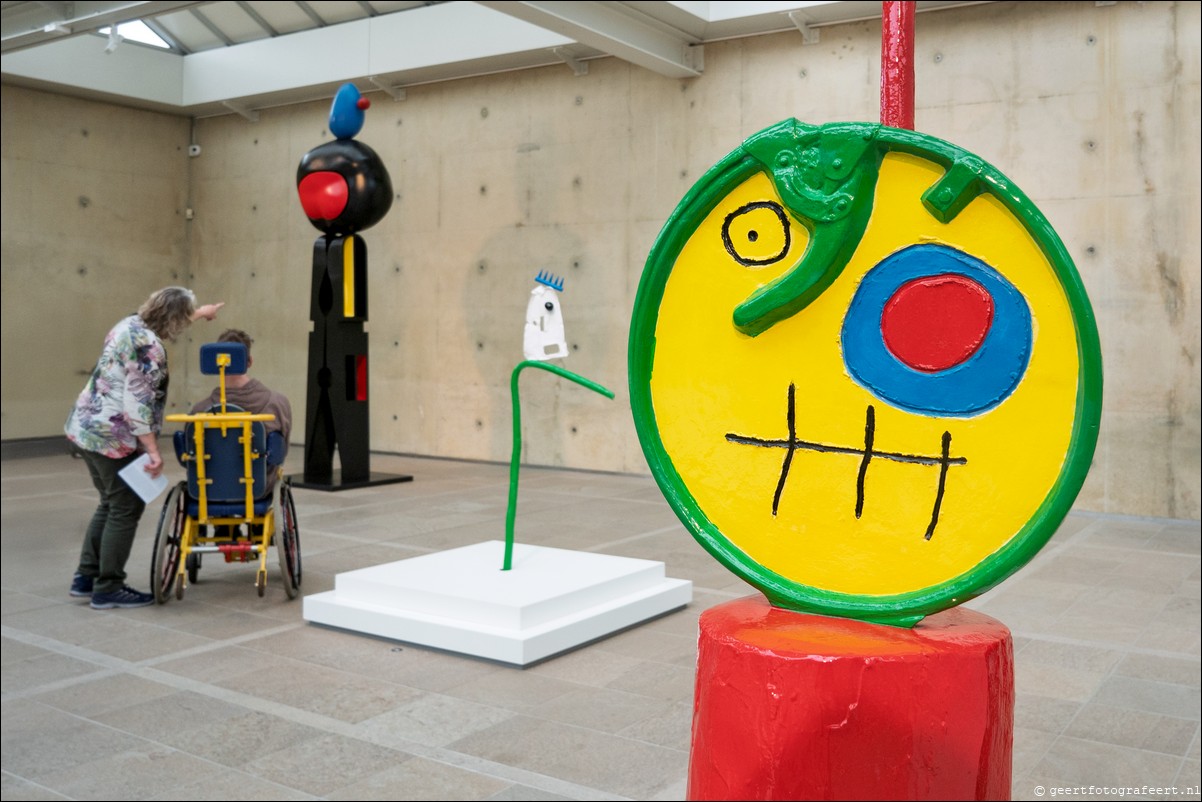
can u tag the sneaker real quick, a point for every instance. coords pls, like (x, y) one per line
(126, 597)
(81, 585)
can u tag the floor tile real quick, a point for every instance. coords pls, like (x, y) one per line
(324, 765)
(1074, 761)
(1164, 698)
(417, 779)
(103, 694)
(135, 774)
(607, 709)
(581, 755)
(1043, 713)
(1149, 731)
(433, 719)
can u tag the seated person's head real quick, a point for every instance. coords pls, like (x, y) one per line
(237, 336)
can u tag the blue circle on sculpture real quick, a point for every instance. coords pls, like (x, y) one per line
(974, 385)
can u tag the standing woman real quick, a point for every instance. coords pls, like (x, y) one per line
(117, 417)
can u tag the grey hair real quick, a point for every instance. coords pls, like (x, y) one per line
(168, 311)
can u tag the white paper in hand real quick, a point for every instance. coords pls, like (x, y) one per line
(142, 483)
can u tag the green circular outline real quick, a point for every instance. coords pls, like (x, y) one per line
(902, 609)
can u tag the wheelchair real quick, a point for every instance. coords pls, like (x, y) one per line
(226, 506)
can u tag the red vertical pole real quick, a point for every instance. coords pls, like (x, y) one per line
(897, 64)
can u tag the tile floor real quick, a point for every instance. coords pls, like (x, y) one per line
(226, 695)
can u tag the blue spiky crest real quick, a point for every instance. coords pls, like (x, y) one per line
(548, 280)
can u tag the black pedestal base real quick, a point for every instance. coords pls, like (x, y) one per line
(336, 481)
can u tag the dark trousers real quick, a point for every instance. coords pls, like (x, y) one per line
(110, 535)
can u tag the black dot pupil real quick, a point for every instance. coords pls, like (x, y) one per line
(742, 230)
(550, 306)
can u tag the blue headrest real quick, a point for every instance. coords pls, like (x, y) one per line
(209, 353)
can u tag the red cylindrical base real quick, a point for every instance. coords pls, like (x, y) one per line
(796, 706)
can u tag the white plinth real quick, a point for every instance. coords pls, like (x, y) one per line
(460, 600)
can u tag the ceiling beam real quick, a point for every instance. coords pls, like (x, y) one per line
(310, 13)
(248, 114)
(258, 18)
(212, 26)
(613, 28)
(809, 35)
(176, 45)
(397, 93)
(37, 23)
(577, 66)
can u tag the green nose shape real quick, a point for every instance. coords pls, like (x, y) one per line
(826, 176)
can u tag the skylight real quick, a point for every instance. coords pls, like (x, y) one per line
(138, 31)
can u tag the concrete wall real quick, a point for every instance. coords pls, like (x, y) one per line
(92, 223)
(1093, 111)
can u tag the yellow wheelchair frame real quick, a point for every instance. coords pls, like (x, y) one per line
(182, 538)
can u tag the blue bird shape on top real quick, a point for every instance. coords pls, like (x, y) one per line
(346, 113)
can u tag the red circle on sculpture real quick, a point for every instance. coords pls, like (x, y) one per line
(323, 195)
(936, 322)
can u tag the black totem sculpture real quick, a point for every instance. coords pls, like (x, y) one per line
(344, 188)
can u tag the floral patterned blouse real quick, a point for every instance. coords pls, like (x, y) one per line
(126, 394)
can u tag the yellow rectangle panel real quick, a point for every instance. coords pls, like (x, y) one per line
(348, 277)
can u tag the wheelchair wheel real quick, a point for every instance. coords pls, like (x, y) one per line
(164, 563)
(287, 541)
(192, 564)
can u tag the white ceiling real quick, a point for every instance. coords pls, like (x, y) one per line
(238, 57)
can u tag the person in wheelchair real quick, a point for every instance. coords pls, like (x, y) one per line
(228, 455)
(242, 392)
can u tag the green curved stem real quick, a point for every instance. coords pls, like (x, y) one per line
(516, 455)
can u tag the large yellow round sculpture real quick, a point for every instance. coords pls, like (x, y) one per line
(864, 371)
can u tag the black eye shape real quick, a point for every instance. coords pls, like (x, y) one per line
(550, 307)
(757, 233)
